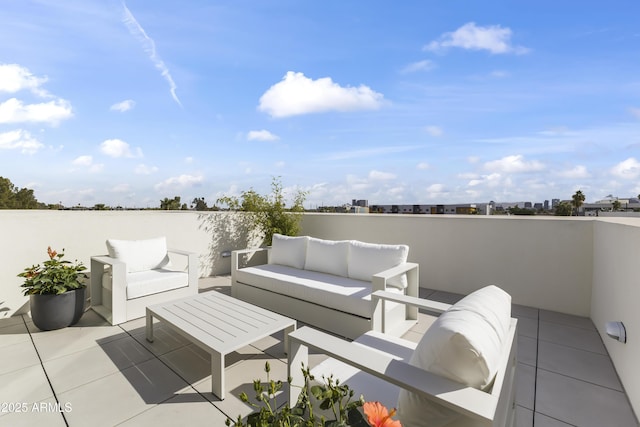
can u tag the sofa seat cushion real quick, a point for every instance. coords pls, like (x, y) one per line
(340, 293)
(150, 282)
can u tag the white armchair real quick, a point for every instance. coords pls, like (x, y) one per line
(139, 273)
(461, 373)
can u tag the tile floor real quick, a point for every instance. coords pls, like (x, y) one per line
(101, 375)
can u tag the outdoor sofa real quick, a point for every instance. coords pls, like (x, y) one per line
(328, 284)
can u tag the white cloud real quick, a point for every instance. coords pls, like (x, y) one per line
(627, 169)
(150, 47)
(494, 38)
(492, 180)
(423, 166)
(375, 175)
(261, 135)
(123, 106)
(297, 94)
(83, 161)
(143, 169)
(118, 148)
(52, 112)
(14, 78)
(87, 162)
(370, 152)
(635, 112)
(425, 65)
(20, 140)
(434, 130)
(513, 164)
(575, 173)
(179, 183)
(280, 164)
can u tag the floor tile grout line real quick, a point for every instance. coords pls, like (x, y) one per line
(582, 380)
(175, 372)
(576, 348)
(535, 377)
(55, 396)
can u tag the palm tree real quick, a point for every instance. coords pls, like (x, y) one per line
(577, 200)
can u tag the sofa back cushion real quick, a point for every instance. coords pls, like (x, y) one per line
(367, 259)
(327, 256)
(465, 345)
(289, 251)
(140, 255)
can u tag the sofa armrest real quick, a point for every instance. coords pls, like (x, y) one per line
(379, 280)
(479, 405)
(237, 262)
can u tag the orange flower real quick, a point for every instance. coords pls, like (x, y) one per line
(51, 253)
(379, 416)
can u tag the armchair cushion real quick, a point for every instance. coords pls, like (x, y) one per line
(464, 344)
(327, 256)
(367, 259)
(289, 251)
(140, 255)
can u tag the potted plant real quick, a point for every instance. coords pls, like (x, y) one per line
(56, 291)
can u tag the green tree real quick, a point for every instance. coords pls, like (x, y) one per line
(199, 204)
(520, 211)
(269, 214)
(12, 197)
(616, 205)
(577, 200)
(168, 204)
(563, 209)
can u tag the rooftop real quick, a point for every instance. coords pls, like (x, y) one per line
(100, 374)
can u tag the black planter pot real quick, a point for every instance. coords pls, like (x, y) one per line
(50, 312)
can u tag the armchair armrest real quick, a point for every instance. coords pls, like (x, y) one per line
(118, 284)
(192, 266)
(469, 401)
(426, 304)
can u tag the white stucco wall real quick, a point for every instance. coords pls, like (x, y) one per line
(541, 262)
(616, 296)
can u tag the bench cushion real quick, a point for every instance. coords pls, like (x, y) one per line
(339, 293)
(289, 251)
(465, 345)
(367, 259)
(327, 256)
(140, 255)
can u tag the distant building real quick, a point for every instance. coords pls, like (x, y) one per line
(456, 209)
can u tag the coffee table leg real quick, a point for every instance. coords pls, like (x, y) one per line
(287, 331)
(217, 375)
(149, 326)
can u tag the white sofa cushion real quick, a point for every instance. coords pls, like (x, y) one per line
(367, 259)
(327, 256)
(151, 282)
(140, 255)
(465, 345)
(287, 250)
(339, 293)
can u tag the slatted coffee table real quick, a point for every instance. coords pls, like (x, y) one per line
(219, 324)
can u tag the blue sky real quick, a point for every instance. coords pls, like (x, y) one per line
(126, 103)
